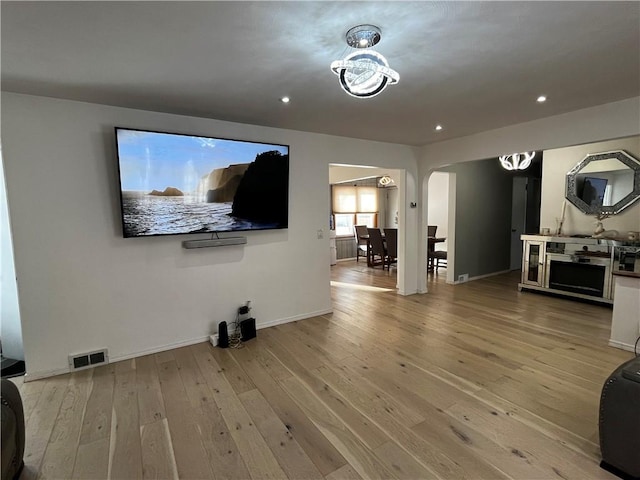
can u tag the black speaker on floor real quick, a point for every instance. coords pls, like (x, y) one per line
(223, 335)
(248, 329)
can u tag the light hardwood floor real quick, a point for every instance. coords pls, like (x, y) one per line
(470, 381)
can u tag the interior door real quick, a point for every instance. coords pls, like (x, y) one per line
(518, 218)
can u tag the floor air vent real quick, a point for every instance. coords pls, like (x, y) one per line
(90, 359)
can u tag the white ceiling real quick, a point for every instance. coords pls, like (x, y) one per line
(471, 66)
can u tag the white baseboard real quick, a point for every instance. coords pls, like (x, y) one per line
(30, 377)
(295, 318)
(162, 348)
(479, 277)
(624, 346)
(406, 293)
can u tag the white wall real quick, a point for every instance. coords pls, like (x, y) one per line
(625, 323)
(438, 191)
(11, 331)
(391, 207)
(82, 286)
(556, 163)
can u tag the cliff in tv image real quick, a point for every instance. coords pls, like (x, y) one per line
(263, 192)
(168, 192)
(221, 184)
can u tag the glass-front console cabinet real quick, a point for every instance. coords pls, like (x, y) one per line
(533, 263)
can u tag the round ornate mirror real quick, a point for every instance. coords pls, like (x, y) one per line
(604, 183)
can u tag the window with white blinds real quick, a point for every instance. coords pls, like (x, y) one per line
(351, 199)
(353, 205)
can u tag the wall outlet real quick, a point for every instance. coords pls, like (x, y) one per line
(463, 278)
(213, 339)
(320, 234)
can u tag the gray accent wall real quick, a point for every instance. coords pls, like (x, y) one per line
(483, 218)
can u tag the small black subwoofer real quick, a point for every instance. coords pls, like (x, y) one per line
(248, 329)
(223, 335)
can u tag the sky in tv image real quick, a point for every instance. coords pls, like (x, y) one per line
(155, 161)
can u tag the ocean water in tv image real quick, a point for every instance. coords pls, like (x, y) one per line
(146, 214)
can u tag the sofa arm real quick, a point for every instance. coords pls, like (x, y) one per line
(12, 408)
(620, 420)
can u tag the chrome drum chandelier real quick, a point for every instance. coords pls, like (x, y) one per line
(364, 73)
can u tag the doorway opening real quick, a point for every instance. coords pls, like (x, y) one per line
(489, 208)
(364, 196)
(11, 349)
(441, 225)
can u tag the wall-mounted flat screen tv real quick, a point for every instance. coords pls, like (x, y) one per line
(176, 184)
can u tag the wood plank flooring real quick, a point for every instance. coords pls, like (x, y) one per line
(470, 381)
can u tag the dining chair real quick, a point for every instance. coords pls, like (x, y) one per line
(377, 247)
(431, 232)
(361, 241)
(391, 239)
(437, 257)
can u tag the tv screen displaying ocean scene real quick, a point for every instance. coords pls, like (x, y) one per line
(174, 184)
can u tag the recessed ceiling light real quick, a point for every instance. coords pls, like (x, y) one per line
(438, 128)
(541, 99)
(363, 36)
(285, 99)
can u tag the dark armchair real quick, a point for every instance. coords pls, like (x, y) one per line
(12, 431)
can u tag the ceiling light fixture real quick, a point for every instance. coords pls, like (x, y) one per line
(438, 128)
(285, 99)
(364, 73)
(363, 36)
(541, 99)
(385, 180)
(517, 161)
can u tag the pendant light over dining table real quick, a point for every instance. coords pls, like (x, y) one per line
(517, 161)
(364, 73)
